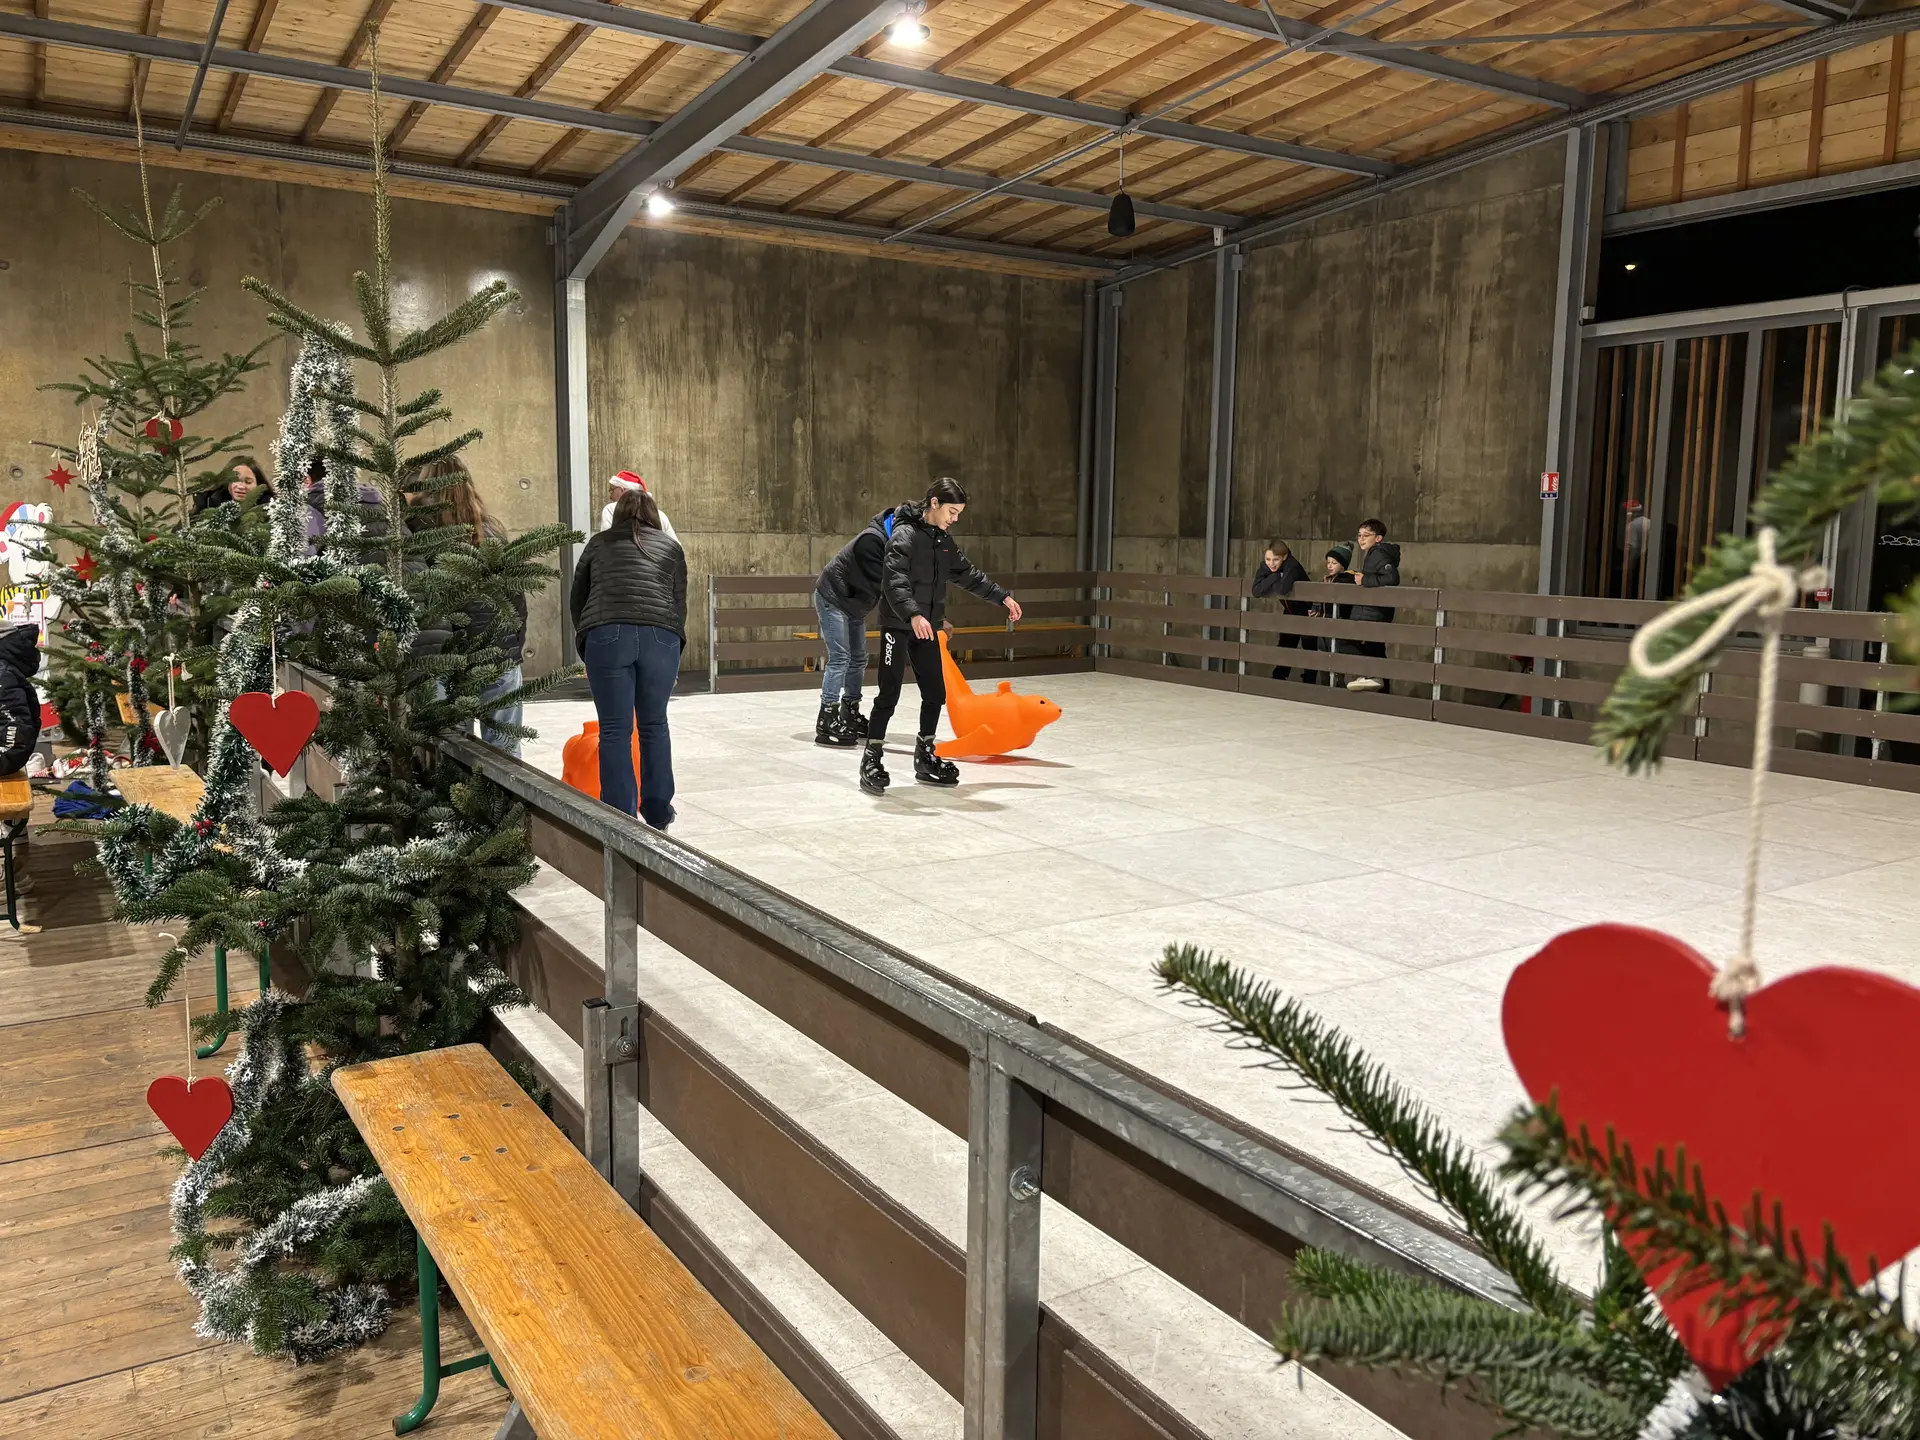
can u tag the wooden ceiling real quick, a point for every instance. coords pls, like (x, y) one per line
(1122, 56)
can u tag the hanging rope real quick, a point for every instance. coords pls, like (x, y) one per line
(1766, 593)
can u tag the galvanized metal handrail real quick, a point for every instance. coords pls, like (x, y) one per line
(1015, 1065)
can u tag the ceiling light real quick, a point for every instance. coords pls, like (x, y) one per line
(659, 204)
(908, 31)
(1632, 266)
(1120, 221)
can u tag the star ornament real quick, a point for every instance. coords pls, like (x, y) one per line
(60, 477)
(86, 567)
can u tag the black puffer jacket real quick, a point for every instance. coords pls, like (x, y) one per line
(479, 612)
(922, 561)
(19, 705)
(617, 581)
(1278, 584)
(853, 578)
(1379, 566)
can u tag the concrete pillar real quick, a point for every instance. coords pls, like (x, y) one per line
(570, 413)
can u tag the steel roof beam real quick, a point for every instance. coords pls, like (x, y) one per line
(1258, 25)
(952, 87)
(802, 48)
(322, 157)
(967, 180)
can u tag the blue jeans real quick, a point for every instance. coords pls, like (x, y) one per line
(631, 670)
(845, 637)
(505, 715)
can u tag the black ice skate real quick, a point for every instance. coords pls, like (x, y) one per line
(929, 768)
(873, 769)
(854, 722)
(831, 729)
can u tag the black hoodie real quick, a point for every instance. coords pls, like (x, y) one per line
(852, 578)
(921, 562)
(1278, 584)
(1378, 566)
(19, 704)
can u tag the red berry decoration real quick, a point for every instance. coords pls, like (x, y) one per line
(203, 827)
(165, 429)
(60, 477)
(138, 664)
(85, 567)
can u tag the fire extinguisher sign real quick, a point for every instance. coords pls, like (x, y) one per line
(1549, 484)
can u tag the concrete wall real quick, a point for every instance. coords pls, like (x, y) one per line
(1393, 362)
(778, 397)
(63, 297)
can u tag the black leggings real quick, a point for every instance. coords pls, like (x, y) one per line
(898, 649)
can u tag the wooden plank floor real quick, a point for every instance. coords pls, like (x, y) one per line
(96, 1330)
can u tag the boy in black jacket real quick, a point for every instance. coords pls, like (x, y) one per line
(921, 560)
(1379, 566)
(1279, 572)
(848, 588)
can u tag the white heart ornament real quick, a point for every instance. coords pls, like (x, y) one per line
(172, 728)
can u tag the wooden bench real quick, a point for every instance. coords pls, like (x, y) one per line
(594, 1326)
(16, 807)
(177, 791)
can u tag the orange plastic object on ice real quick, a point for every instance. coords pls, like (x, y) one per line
(580, 760)
(991, 724)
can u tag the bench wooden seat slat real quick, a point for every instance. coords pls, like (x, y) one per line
(16, 798)
(172, 789)
(599, 1331)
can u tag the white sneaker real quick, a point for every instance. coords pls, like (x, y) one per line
(1363, 682)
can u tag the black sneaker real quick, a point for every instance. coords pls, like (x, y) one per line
(929, 768)
(852, 720)
(873, 769)
(831, 729)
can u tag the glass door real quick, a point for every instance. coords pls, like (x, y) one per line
(1620, 474)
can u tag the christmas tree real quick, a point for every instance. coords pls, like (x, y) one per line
(394, 890)
(137, 598)
(1605, 1367)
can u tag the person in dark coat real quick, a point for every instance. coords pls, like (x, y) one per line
(1279, 572)
(19, 702)
(244, 476)
(847, 590)
(1379, 566)
(629, 609)
(1339, 557)
(921, 561)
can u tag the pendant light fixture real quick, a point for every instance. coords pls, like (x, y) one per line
(1120, 223)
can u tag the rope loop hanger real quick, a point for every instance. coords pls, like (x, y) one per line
(1766, 593)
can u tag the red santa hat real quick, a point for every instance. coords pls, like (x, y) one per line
(627, 480)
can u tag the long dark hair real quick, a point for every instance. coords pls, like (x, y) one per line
(635, 508)
(946, 491)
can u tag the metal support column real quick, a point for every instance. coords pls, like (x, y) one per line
(610, 1038)
(1089, 364)
(1226, 360)
(1003, 1253)
(1579, 254)
(570, 410)
(1106, 414)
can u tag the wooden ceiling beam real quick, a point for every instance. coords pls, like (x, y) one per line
(542, 76)
(1039, 65)
(40, 59)
(137, 90)
(444, 72)
(237, 84)
(349, 58)
(960, 53)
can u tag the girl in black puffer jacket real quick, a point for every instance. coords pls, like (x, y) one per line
(921, 561)
(19, 702)
(629, 608)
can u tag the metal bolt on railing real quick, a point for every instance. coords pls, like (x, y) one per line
(1023, 1184)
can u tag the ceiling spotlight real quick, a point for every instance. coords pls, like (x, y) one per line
(1120, 221)
(908, 30)
(1632, 266)
(659, 204)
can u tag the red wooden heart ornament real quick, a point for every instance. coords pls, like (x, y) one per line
(1811, 1109)
(278, 729)
(194, 1113)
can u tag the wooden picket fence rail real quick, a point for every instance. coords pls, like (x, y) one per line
(1528, 664)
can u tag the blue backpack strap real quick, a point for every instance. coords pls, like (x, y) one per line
(889, 524)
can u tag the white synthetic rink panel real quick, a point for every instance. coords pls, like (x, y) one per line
(1389, 872)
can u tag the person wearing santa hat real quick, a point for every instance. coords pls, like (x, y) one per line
(627, 480)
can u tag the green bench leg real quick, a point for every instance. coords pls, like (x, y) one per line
(220, 993)
(432, 1372)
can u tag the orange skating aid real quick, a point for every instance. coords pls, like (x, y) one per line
(580, 759)
(989, 724)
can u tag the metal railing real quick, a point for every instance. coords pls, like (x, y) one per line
(1219, 1207)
